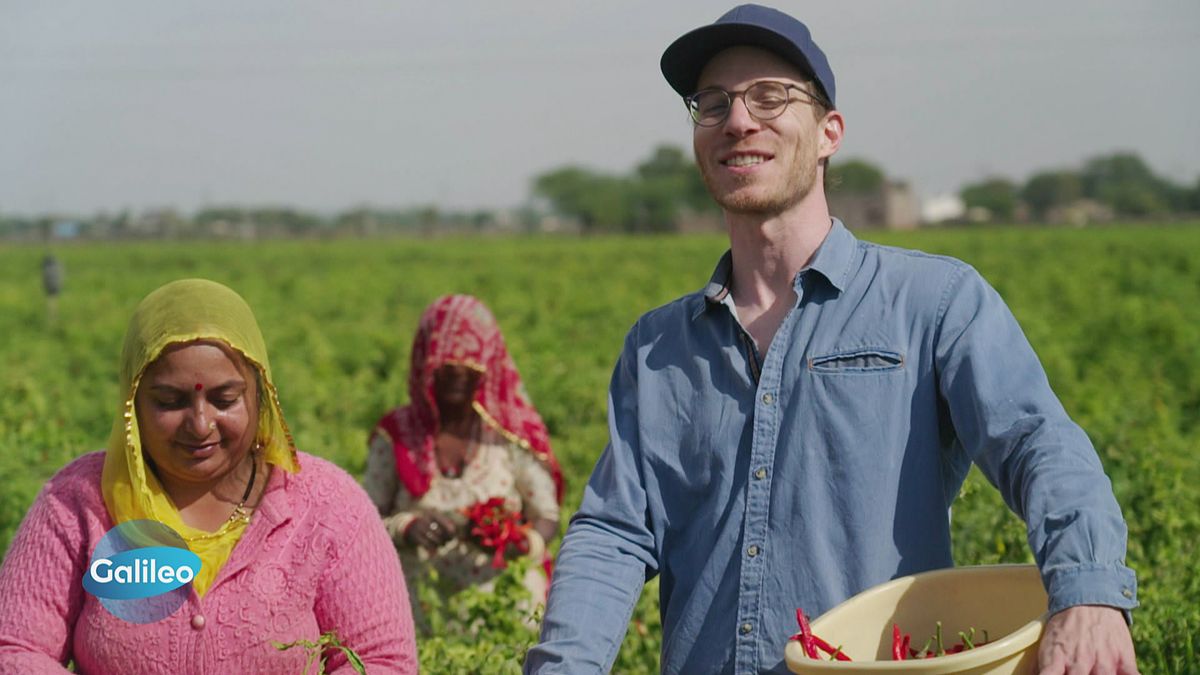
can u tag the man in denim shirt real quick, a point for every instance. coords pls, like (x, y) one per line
(796, 431)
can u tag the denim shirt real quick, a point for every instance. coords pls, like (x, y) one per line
(755, 484)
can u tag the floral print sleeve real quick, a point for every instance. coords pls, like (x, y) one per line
(535, 485)
(390, 498)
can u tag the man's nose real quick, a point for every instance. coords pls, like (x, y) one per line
(740, 121)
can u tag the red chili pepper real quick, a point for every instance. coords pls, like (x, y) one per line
(495, 528)
(835, 652)
(806, 636)
(897, 655)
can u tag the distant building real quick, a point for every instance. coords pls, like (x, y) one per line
(943, 208)
(1079, 212)
(893, 206)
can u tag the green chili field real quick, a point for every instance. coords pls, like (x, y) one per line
(1114, 314)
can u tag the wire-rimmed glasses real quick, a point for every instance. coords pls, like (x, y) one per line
(765, 100)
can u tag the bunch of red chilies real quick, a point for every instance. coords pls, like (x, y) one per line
(495, 527)
(901, 643)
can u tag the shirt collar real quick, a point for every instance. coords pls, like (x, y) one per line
(832, 260)
(835, 255)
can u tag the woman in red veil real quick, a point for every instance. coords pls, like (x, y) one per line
(463, 475)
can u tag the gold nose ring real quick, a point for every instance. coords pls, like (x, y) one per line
(212, 426)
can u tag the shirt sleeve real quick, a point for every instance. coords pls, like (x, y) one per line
(40, 592)
(535, 485)
(1011, 424)
(608, 552)
(362, 596)
(390, 498)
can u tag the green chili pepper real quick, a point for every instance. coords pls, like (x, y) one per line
(967, 638)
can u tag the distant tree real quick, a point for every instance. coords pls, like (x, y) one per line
(1122, 168)
(1050, 189)
(1179, 198)
(997, 195)
(666, 184)
(660, 182)
(1137, 200)
(1127, 185)
(652, 199)
(601, 203)
(168, 223)
(855, 176)
(286, 221)
(11, 226)
(482, 219)
(231, 214)
(671, 170)
(359, 221)
(666, 161)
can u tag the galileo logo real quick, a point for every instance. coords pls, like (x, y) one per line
(141, 571)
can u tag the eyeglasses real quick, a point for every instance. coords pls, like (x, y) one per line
(764, 100)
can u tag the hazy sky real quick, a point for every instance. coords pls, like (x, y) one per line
(136, 104)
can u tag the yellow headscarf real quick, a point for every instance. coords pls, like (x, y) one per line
(183, 311)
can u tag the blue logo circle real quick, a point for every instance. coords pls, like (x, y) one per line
(141, 571)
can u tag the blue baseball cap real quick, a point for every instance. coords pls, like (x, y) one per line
(751, 26)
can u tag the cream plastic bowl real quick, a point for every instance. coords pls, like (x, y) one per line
(1006, 600)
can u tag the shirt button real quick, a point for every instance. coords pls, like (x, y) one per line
(768, 398)
(198, 622)
(746, 628)
(752, 551)
(1126, 592)
(761, 473)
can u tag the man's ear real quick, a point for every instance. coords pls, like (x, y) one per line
(833, 128)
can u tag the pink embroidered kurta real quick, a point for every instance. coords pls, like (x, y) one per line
(313, 559)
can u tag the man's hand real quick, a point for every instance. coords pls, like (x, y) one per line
(1087, 639)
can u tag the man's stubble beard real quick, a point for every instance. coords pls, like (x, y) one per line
(798, 186)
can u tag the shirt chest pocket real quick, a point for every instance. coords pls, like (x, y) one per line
(859, 361)
(862, 397)
(862, 401)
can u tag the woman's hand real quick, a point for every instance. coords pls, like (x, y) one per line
(430, 530)
(547, 527)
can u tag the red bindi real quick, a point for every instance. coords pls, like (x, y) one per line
(199, 386)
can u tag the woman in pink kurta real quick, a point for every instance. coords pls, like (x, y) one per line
(290, 546)
(469, 435)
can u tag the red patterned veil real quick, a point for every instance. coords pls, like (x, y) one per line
(459, 329)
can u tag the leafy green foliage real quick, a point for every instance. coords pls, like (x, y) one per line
(477, 631)
(997, 196)
(1048, 189)
(855, 176)
(317, 649)
(661, 189)
(1113, 313)
(1122, 182)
